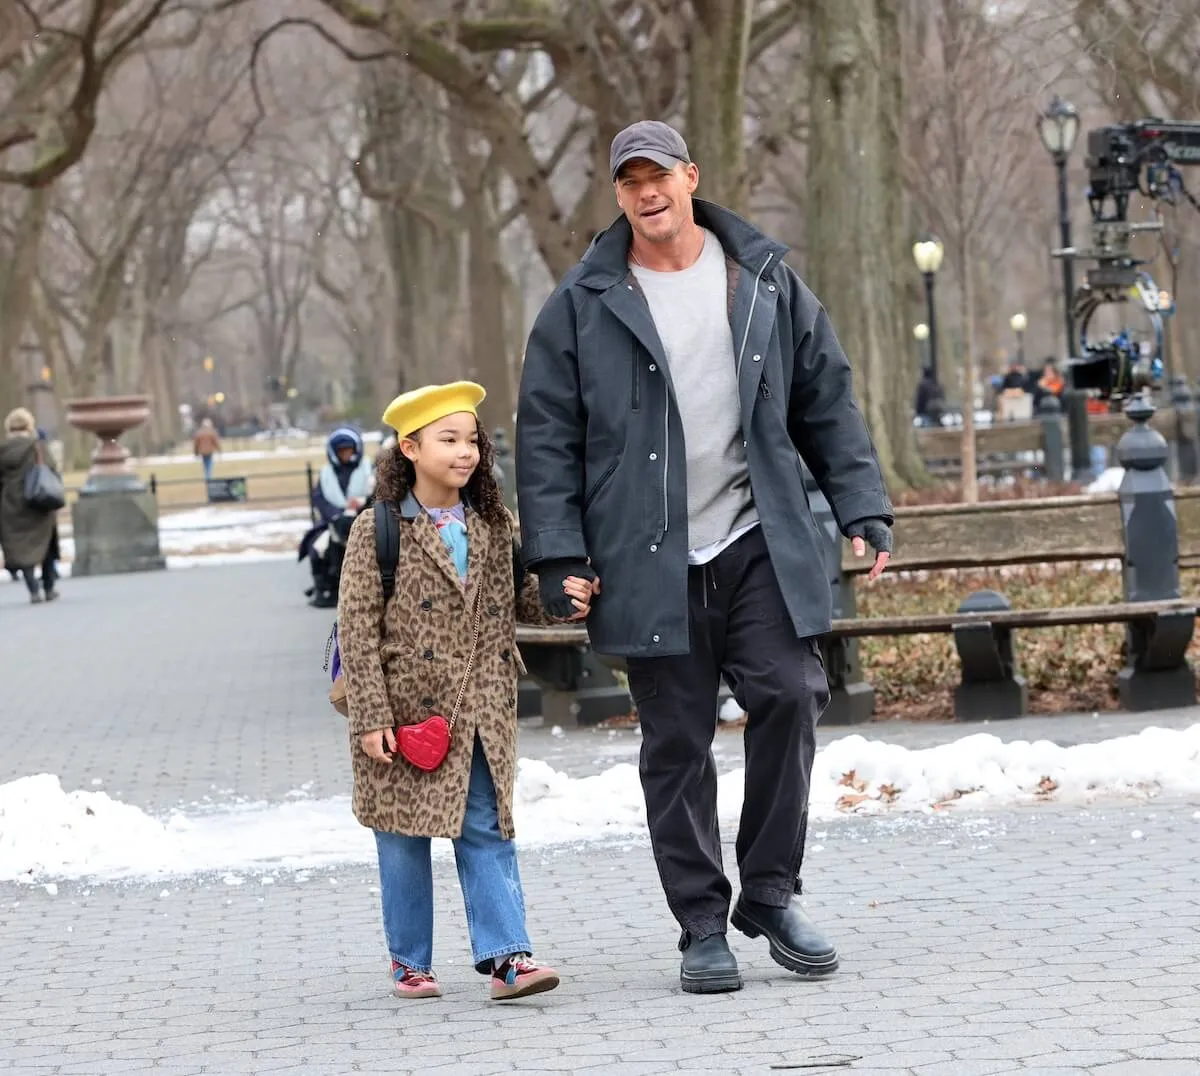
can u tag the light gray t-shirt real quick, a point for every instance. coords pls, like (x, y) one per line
(689, 308)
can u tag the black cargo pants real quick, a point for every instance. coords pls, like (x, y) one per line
(740, 628)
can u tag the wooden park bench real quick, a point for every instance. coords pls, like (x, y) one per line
(1151, 529)
(1035, 445)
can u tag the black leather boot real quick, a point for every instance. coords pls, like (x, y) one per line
(708, 966)
(796, 942)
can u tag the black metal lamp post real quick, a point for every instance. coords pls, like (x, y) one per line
(928, 253)
(921, 333)
(1058, 127)
(1019, 323)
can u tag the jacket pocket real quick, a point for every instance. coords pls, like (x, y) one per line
(599, 484)
(635, 363)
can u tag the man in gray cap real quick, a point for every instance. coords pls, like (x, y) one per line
(673, 384)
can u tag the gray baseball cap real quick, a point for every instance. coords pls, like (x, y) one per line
(651, 139)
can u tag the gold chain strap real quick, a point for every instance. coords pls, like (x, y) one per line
(470, 657)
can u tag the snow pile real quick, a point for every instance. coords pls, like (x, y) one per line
(46, 832)
(1109, 481)
(858, 774)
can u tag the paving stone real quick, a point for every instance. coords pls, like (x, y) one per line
(1000, 943)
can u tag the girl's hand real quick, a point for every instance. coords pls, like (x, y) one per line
(581, 591)
(379, 744)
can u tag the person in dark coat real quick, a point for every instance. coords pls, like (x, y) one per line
(342, 490)
(674, 385)
(929, 404)
(28, 536)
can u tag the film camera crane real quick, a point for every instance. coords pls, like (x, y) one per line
(1122, 160)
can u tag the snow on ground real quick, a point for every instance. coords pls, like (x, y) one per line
(48, 833)
(206, 536)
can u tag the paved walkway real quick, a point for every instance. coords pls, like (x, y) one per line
(1039, 940)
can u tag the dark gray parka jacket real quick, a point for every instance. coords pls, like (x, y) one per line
(600, 449)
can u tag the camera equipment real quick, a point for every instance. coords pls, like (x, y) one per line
(1122, 160)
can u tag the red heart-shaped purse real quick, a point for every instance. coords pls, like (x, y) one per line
(426, 743)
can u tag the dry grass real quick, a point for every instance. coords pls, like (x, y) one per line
(1068, 669)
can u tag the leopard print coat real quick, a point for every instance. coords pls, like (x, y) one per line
(405, 662)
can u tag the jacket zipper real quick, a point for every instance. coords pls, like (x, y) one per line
(750, 316)
(666, 468)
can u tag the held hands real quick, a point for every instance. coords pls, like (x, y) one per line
(879, 534)
(580, 591)
(567, 587)
(379, 744)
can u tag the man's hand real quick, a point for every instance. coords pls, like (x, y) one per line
(379, 744)
(552, 585)
(879, 534)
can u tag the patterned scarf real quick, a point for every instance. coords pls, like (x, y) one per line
(451, 524)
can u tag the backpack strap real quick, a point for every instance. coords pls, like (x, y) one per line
(387, 546)
(518, 568)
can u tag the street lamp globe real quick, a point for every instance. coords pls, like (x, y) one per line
(1058, 127)
(928, 254)
(921, 331)
(1019, 322)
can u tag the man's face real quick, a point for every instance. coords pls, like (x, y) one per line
(656, 202)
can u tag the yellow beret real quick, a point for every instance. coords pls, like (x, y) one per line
(414, 410)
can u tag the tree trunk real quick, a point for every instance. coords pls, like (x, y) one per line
(857, 246)
(18, 268)
(717, 56)
(970, 475)
(486, 286)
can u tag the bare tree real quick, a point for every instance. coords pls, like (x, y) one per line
(856, 221)
(973, 103)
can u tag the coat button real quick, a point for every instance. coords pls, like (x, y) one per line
(657, 639)
(653, 367)
(770, 287)
(654, 455)
(493, 610)
(758, 358)
(427, 702)
(654, 549)
(427, 605)
(428, 655)
(505, 655)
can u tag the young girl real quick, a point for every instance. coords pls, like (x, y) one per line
(413, 659)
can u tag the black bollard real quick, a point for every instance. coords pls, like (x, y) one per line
(1156, 674)
(991, 688)
(1049, 414)
(1075, 404)
(1187, 430)
(851, 698)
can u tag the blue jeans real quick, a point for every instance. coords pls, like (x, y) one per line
(487, 872)
(207, 463)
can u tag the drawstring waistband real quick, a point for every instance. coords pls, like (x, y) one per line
(705, 575)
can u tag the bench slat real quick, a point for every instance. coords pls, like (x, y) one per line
(939, 623)
(1122, 613)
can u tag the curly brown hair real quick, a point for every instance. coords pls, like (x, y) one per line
(395, 477)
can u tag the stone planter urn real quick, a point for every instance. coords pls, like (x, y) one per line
(115, 516)
(108, 417)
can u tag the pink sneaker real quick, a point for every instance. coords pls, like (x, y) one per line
(407, 983)
(520, 976)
